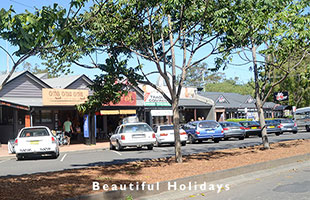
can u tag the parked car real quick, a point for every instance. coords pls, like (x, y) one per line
(203, 130)
(36, 141)
(233, 130)
(165, 135)
(287, 125)
(133, 134)
(273, 127)
(251, 128)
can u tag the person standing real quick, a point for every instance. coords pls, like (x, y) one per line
(67, 127)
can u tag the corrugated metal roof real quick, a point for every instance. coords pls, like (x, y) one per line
(14, 75)
(235, 100)
(193, 103)
(61, 82)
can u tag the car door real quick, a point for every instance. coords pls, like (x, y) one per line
(114, 136)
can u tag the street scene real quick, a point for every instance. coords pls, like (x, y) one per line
(189, 99)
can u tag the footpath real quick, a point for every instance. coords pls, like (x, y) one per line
(72, 147)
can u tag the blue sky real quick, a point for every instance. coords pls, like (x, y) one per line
(242, 72)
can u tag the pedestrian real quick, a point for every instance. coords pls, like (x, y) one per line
(67, 127)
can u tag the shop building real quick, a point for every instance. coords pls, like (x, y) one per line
(233, 105)
(36, 100)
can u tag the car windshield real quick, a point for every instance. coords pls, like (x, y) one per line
(166, 128)
(249, 123)
(137, 128)
(271, 122)
(285, 120)
(36, 132)
(208, 124)
(230, 124)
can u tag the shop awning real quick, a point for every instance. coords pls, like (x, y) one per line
(13, 104)
(117, 112)
(161, 112)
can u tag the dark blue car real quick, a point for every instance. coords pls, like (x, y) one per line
(203, 130)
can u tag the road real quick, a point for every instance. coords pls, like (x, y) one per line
(290, 184)
(82, 159)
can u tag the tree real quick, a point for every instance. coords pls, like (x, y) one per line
(277, 39)
(152, 31)
(37, 34)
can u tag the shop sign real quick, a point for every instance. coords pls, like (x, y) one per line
(63, 97)
(155, 99)
(280, 96)
(127, 100)
(161, 112)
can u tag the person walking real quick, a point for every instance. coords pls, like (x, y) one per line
(67, 127)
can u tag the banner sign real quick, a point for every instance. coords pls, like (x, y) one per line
(85, 126)
(280, 96)
(155, 99)
(63, 97)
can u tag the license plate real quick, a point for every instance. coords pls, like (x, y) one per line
(271, 126)
(253, 127)
(34, 142)
(138, 136)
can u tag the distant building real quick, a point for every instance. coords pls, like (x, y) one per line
(233, 105)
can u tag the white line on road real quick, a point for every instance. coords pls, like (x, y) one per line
(2, 161)
(117, 153)
(62, 159)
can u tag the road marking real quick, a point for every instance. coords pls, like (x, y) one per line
(2, 161)
(117, 153)
(62, 159)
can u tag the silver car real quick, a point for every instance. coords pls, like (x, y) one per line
(287, 125)
(135, 134)
(233, 130)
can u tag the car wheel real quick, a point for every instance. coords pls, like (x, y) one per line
(19, 157)
(157, 144)
(294, 132)
(277, 134)
(226, 138)
(150, 147)
(246, 135)
(241, 138)
(216, 140)
(183, 143)
(191, 139)
(111, 146)
(55, 155)
(307, 128)
(119, 147)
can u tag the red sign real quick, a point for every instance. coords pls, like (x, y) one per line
(27, 121)
(129, 100)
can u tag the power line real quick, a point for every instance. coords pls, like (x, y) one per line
(22, 4)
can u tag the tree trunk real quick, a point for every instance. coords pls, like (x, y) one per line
(259, 103)
(176, 122)
(262, 123)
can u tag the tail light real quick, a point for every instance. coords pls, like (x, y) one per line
(183, 133)
(16, 142)
(225, 129)
(259, 127)
(242, 128)
(153, 135)
(53, 140)
(222, 131)
(295, 124)
(197, 132)
(163, 134)
(247, 128)
(280, 126)
(122, 137)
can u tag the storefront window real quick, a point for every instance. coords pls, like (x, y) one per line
(21, 116)
(6, 115)
(46, 116)
(36, 116)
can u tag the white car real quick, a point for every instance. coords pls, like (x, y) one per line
(36, 141)
(165, 135)
(135, 134)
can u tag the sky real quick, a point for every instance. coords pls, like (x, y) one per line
(242, 72)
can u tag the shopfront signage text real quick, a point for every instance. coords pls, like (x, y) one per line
(60, 97)
(155, 99)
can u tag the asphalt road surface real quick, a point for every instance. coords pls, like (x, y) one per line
(82, 159)
(291, 184)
